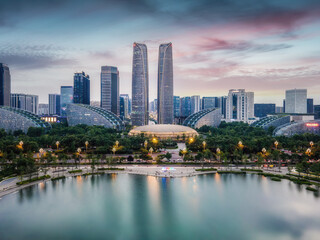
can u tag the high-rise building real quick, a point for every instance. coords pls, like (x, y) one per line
(5, 85)
(279, 109)
(165, 84)
(195, 104)
(263, 109)
(296, 101)
(222, 104)
(43, 109)
(140, 85)
(81, 88)
(153, 106)
(176, 106)
(66, 97)
(124, 106)
(54, 104)
(24, 102)
(240, 105)
(209, 102)
(110, 89)
(316, 109)
(185, 106)
(310, 105)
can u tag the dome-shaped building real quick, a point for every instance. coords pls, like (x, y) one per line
(164, 131)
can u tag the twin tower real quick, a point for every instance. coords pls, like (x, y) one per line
(140, 85)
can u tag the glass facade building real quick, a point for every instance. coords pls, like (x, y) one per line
(296, 101)
(209, 102)
(13, 119)
(5, 85)
(110, 89)
(240, 105)
(54, 104)
(310, 109)
(209, 117)
(66, 97)
(185, 106)
(176, 106)
(24, 102)
(165, 84)
(124, 106)
(195, 104)
(263, 109)
(140, 85)
(89, 115)
(81, 88)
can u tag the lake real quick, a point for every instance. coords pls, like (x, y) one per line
(123, 206)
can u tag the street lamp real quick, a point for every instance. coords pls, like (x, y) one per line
(41, 151)
(155, 140)
(218, 151)
(57, 143)
(276, 143)
(184, 152)
(79, 150)
(114, 149)
(145, 144)
(308, 152)
(86, 143)
(311, 144)
(204, 145)
(117, 143)
(151, 150)
(191, 139)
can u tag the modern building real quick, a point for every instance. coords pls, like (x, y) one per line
(5, 85)
(272, 121)
(279, 109)
(222, 105)
(54, 104)
(165, 84)
(209, 102)
(153, 106)
(301, 127)
(89, 115)
(124, 106)
(240, 105)
(24, 102)
(13, 119)
(209, 117)
(43, 109)
(316, 109)
(263, 109)
(310, 109)
(176, 106)
(195, 104)
(66, 97)
(296, 101)
(110, 99)
(81, 88)
(185, 106)
(164, 131)
(140, 85)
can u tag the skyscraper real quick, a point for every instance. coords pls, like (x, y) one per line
(209, 102)
(124, 106)
(140, 85)
(54, 104)
(185, 106)
(310, 105)
(5, 85)
(263, 109)
(240, 105)
(296, 101)
(66, 97)
(176, 106)
(81, 88)
(110, 89)
(165, 84)
(195, 104)
(24, 102)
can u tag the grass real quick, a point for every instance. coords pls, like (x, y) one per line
(251, 170)
(58, 178)
(312, 189)
(276, 179)
(33, 180)
(111, 168)
(206, 169)
(96, 173)
(234, 172)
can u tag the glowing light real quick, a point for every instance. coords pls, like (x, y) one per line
(312, 124)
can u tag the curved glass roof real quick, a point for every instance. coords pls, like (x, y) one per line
(266, 120)
(114, 119)
(34, 118)
(194, 118)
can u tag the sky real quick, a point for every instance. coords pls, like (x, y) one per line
(264, 46)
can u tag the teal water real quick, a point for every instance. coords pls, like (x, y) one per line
(139, 207)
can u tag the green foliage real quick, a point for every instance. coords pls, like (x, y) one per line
(33, 180)
(206, 169)
(75, 171)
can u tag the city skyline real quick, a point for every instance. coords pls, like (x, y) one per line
(267, 48)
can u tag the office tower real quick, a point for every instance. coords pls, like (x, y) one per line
(124, 106)
(5, 85)
(240, 105)
(54, 104)
(310, 105)
(176, 106)
(195, 104)
(140, 85)
(153, 106)
(222, 104)
(296, 101)
(263, 109)
(81, 88)
(110, 89)
(165, 84)
(284, 106)
(185, 106)
(24, 102)
(130, 106)
(279, 109)
(208, 102)
(66, 97)
(43, 109)
(316, 110)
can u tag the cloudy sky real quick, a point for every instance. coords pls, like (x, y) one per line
(264, 46)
